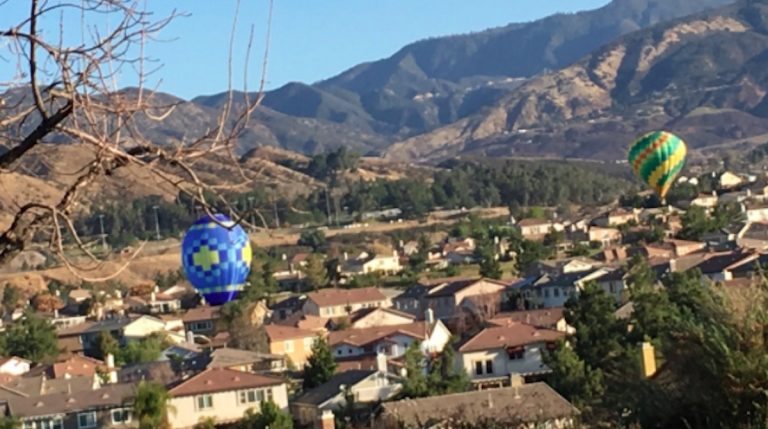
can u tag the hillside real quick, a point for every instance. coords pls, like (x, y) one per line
(703, 77)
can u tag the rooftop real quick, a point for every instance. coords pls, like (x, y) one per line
(333, 387)
(513, 335)
(113, 395)
(282, 332)
(364, 336)
(201, 313)
(221, 380)
(454, 287)
(542, 318)
(226, 357)
(333, 297)
(513, 405)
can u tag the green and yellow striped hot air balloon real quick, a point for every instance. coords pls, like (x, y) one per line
(657, 158)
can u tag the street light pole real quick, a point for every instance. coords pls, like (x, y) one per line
(103, 235)
(157, 223)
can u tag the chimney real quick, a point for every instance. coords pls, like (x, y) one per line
(110, 361)
(401, 244)
(429, 316)
(516, 380)
(381, 363)
(285, 257)
(157, 289)
(190, 337)
(648, 358)
(327, 420)
(346, 256)
(153, 297)
(55, 313)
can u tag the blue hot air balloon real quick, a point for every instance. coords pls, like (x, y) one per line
(216, 256)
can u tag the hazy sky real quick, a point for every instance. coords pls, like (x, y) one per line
(311, 39)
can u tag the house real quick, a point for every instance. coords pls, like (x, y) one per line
(616, 217)
(613, 254)
(671, 248)
(553, 291)
(156, 303)
(753, 236)
(728, 180)
(707, 201)
(614, 283)
(293, 343)
(605, 236)
(447, 299)
(13, 365)
(78, 296)
(497, 352)
(548, 318)
(308, 322)
(285, 308)
(537, 228)
(85, 336)
(413, 300)
(364, 386)
(202, 320)
(223, 395)
(247, 361)
(719, 267)
(378, 316)
(384, 264)
(722, 239)
(103, 407)
(391, 340)
(341, 302)
(555, 267)
(756, 212)
(526, 406)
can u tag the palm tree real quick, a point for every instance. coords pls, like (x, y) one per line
(152, 405)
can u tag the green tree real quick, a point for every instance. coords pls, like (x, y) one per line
(145, 350)
(315, 272)
(206, 423)
(415, 384)
(313, 238)
(696, 222)
(443, 377)
(7, 422)
(320, 366)
(31, 338)
(11, 297)
(151, 407)
(489, 263)
(270, 416)
(572, 378)
(529, 252)
(107, 344)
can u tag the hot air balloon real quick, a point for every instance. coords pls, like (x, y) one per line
(657, 158)
(216, 256)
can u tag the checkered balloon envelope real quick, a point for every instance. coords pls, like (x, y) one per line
(216, 255)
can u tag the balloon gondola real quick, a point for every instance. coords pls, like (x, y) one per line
(216, 256)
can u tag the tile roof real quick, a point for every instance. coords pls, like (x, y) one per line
(533, 222)
(109, 396)
(459, 285)
(201, 313)
(335, 297)
(364, 312)
(332, 387)
(38, 386)
(514, 335)
(226, 357)
(364, 336)
(305, 321)
(527, 403)
(542, 318)
(718, 262)
(221, 380)
(282, 332)
(76, 366)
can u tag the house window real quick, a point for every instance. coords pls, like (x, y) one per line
(479, 368)
(206, 325)
(251, 396)
(546, 293)
(86, 420)
(489, 367)
(557, 292)
(516, 353)
(203, 402)
(122, 415)
(339, 351)
(288, 346)
(55, 423)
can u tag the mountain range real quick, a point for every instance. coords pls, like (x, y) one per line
(570, 85)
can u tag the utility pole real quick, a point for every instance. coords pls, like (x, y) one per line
(277, 216)
(328, 206)
(250, 209)
(336, 207)
(103, 235)
(157, 223)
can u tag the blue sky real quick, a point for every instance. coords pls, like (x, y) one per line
(311, 39)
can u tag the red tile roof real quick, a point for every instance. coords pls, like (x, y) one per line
(361, 337)
(221, 380)
(335, 297)
(76, 366)
(542, 318)
(201, 313)
(509, 336)
(282, 332)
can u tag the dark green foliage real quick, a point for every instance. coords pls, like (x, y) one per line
(145, 350)
(415, 384)
(314, 238)
(572, 378)
(169, 278)
(270, 416)
(529, 252)
(327, 165)
(31, 338)
(489, 263)
(443, 377)
(697, 222)
(107, 344)
(320, 366)
(152, 406)
(418, 260)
